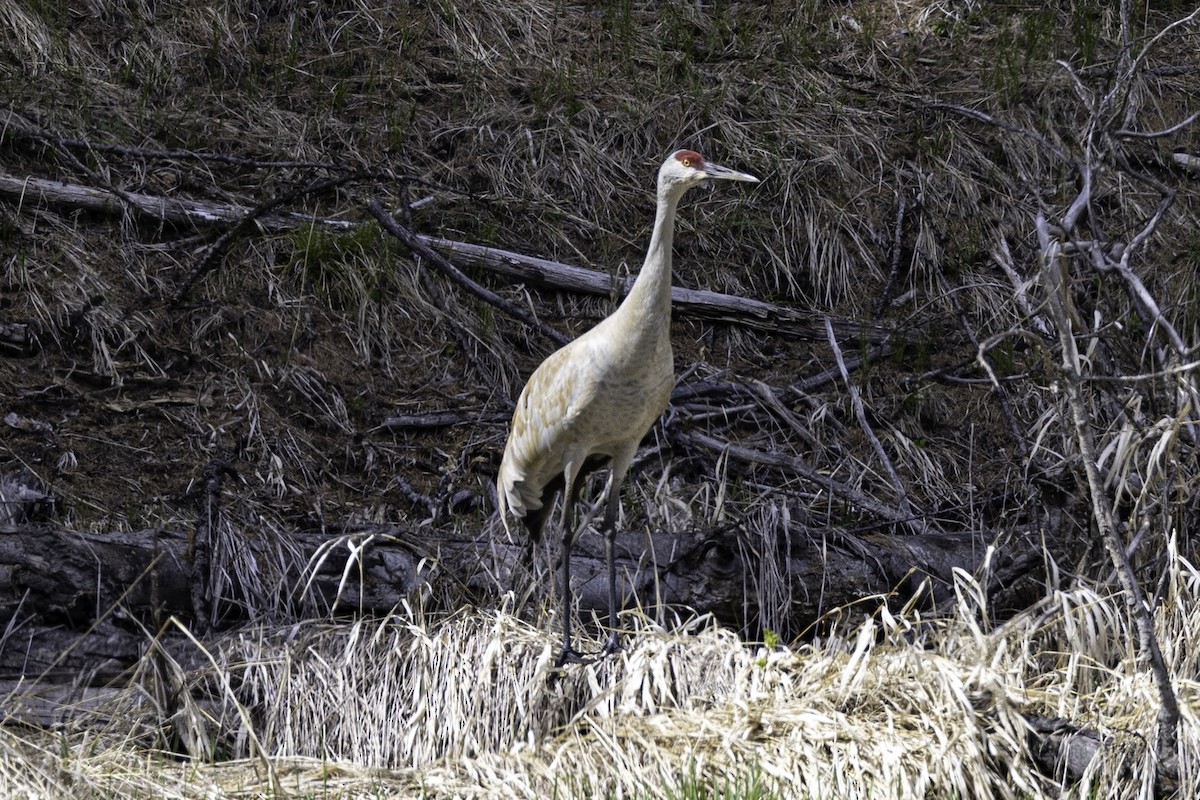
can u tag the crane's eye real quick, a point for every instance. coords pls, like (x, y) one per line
(687, 162)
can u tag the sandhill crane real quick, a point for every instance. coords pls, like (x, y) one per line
(591, 402)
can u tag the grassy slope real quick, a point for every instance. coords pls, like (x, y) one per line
(544, 125)
(537, 126)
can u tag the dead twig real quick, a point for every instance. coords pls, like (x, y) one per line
(443, 265)
(797, 466)
(988, 119)
(885, 297)
(861, 415)
(442, 419)
(981, 358)
(213, 253)
(20, 127)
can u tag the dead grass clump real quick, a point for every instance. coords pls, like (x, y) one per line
(475, 695)
(467, 705)
(28, 37)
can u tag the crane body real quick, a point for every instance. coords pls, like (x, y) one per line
(591, 402)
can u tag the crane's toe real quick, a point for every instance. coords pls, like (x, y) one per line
(570, 655)
(612, 644)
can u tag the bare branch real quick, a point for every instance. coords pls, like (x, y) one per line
(1178, 126)
(413, 243)
(894, 262)
(19, 126)
(1158, 37)
(178, 211)
(797, 466)
(1126, 37)
(1081, 201)
(1102, 510)
(699, 303)
(1019, 130)
(861, 414)
(1148, 229)
(1178, 369)
(212, 256)
(442, 419)
(702, 304)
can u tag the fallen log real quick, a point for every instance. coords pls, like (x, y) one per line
(81, 604)
(701, 304)
(1061, 749)
(697, 303)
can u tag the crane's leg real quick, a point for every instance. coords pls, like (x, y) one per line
(613, 643)
(568, 654)
(620, 465)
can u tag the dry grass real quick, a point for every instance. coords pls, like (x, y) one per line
(538, 129)
(469, 706)
(537, 126)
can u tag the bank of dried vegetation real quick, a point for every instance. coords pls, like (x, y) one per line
(908, 150)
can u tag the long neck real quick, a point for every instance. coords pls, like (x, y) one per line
(650, 297)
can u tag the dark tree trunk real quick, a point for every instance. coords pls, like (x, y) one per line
(86, 604)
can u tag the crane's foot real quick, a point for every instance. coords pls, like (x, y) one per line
(611, 645)
(570, 655)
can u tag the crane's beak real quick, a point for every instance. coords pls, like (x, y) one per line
(726, 174)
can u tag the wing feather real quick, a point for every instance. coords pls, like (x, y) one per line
(547, 411)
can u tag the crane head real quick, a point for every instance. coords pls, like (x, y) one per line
(687, 168)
